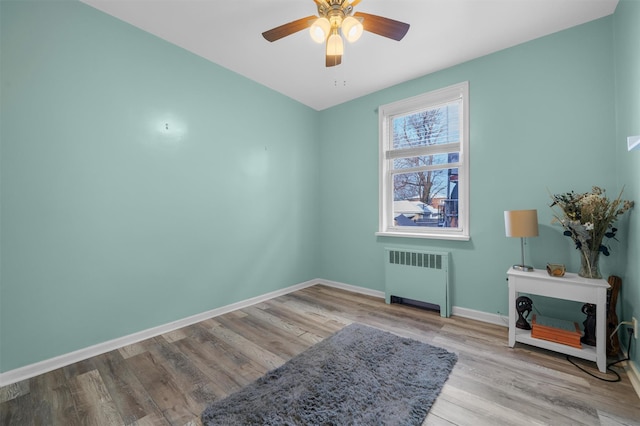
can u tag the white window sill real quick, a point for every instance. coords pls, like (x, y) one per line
(434, 236)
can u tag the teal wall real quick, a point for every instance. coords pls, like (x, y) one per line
(110, 224)
(542, 119)
(627, 74)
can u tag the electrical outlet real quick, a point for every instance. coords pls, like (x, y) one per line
(635, 327)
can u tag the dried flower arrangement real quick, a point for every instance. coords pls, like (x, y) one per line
(588, 218)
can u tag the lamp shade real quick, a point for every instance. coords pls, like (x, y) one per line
(521, 223)
(320, 29)
(351, 29)
(334, 45)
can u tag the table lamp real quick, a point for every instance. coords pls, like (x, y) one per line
(523, 224)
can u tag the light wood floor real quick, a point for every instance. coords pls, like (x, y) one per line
(171, 378)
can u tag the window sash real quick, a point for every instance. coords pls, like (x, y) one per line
(425, 150)
(428, 168)
(435, 139)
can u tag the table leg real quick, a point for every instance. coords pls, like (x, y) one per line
(512, 314)
(601, 331)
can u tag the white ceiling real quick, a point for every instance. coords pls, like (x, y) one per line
(443, 33)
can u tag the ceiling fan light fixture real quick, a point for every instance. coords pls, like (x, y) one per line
(320, 29)
(352, 29)
(336, 19)
(335, 47)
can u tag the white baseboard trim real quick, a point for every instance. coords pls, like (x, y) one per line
(455, 310)
(352, 288)
(480, 316)
(634, 375)
(32, 370)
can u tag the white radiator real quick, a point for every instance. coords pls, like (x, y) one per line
(417, 275)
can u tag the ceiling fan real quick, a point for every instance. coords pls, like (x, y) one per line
(336, 19)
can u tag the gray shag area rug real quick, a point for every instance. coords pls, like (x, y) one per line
(358, 376)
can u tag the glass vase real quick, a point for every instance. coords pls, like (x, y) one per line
(589, 263)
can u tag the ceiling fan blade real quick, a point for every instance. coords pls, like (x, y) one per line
(385, 27)
(333, 60)
(287, 29)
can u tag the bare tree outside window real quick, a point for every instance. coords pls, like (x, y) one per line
(423, 128)
(428, 183)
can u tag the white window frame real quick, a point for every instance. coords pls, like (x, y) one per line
(386, 113)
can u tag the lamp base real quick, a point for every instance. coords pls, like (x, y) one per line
(523, 268)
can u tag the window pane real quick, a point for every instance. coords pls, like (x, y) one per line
(428, 198)
(425, 160)
(429, 127)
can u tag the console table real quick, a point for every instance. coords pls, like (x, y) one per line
(569, 287)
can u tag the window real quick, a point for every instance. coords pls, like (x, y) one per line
(424, 165)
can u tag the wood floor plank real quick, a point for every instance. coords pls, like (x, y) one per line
(154, 419)
(25, 410)
(531, 401)
(242, 370)
(175, 335)
(176, 406)
(465, 414)
(78, 368)
(93, 402)
(128, 394)
(14, 390)
(221, 381)
(265, 358)
(281, 344)
(170, 379)
(307, 307)
(289, 311)
(608, 419)
(289, 327)
(435, 420)
(53, 391)
(132, 350)
(184, 373)
(482, 405)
